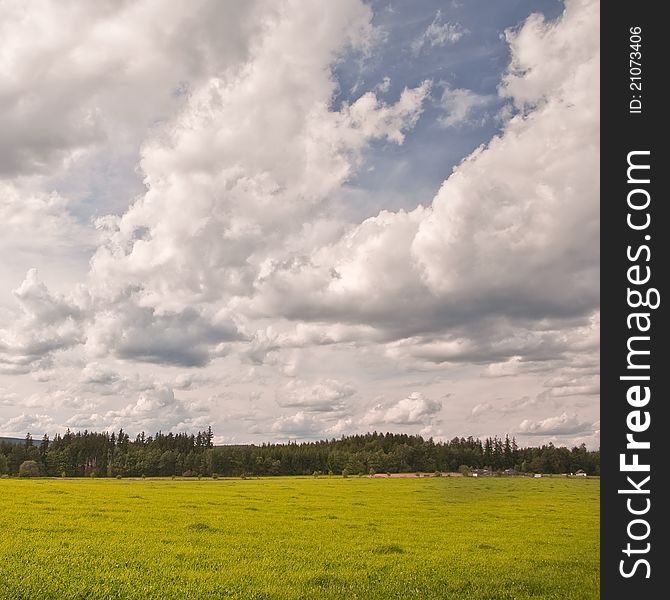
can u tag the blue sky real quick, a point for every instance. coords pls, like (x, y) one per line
(394, 176)
(404, 176)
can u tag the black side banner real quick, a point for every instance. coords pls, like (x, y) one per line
(634, 497)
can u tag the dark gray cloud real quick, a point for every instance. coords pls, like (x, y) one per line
(186, 338)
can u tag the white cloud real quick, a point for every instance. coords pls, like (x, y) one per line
(507, 368)
(563, 424)
(37, 424)
(315, 421)
(31, 215)
(235, 265)
(128, 65)
(249, 188)
(438, 34)
(505, 261)
(571, 382)
(413, 410)
(39, 230)
(325, 396)
(8, 397)
(460, 106)
(98, 374)
(155, 409)
(46, 323)
(239, 213)
(482, 409)
(542, 55)
(299, 425)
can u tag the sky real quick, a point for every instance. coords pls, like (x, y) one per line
(297, 220)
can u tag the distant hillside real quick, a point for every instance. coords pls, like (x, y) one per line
(9, 440)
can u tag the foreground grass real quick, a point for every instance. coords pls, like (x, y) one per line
(300, 538)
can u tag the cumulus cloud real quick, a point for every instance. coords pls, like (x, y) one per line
(237, 251)
(325, 396)
(571, 383)
(460, 106)
(248, 186)
(155, 409)
(239, 214)
(316, 418)
(39, 230)
(39, 304)
(39, 219)
(563, 424)
(28, 423)
(540, 53)
(482, 409)
(96, 373)
(128, 65)
(8, 397)
(413, 410)
(46, 323)
(359, 279)
(300, 424)
(505, 260)
(520, 345)
(507, 368)
(143, 334)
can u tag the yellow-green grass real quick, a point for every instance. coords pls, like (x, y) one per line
(307, 538)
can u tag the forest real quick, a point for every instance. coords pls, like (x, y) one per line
(92, 454)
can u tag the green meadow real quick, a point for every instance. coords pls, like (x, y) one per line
(300, 538)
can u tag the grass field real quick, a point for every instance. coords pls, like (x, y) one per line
(281, 538)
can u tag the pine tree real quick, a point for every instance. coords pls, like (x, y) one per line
(507, 453)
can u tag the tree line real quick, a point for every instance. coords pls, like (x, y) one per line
(93, 454)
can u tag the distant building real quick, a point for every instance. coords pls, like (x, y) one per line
(513, 473)
(483, 473)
